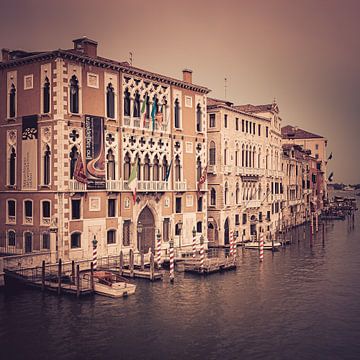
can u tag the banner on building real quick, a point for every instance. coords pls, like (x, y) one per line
(29, 152)
(95, 152)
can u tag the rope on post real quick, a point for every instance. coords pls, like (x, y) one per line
(261, 247)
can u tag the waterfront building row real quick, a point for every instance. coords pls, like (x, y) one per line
(77, 129)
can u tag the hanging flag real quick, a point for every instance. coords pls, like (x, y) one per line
(202, 178)
(143, 109)
(167, 175)
(330, 156)
(79, 171)
(159, 118)
(153, 114)
(133, 179)
(331, 177)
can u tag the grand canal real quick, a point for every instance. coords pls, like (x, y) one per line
(301, 302)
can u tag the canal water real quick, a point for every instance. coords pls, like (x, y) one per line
(302, 302)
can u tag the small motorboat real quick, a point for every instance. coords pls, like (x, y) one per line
(254, 245)
(109, 284)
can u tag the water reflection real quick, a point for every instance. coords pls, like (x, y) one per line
(301, 302)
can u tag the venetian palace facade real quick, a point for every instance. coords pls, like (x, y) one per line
(245, 170)
(68, 113)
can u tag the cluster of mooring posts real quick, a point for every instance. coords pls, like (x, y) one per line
(68, 277)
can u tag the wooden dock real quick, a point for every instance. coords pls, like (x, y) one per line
(210, 266)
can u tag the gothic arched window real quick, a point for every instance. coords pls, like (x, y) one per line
(12, 101)
(226, 193)
(177, 114)
(73, 158)
(177, 169)
(74, 95)
(237, 194)
(136, 112)
(110, 165)
(165, 167)
(110, 101)
(147, 168)
(198, 118)
(127, 167)
(198, 169)
(126, 103)
(46, 164)
(12, 167)
(156, 170)
(46, 96)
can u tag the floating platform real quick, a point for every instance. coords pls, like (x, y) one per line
(267, 245)
(141, 274)
(211, 265)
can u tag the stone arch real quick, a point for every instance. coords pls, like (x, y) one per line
(146, 232)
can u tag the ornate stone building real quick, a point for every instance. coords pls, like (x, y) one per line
(71, 113)
(244, 172)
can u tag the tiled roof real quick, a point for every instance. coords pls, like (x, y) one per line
(253, 109)
(212, 101)
(291, 132)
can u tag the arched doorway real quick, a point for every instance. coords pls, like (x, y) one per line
(226, 232)
(213, 233)
(253, 231)
(146, 231)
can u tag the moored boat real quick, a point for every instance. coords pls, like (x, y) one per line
(109, 284)
(254, 245)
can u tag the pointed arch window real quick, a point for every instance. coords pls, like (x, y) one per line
(212, 197)
(156, 170)
(136, 112)
(74, 95)
(225, 154)
(177, 169)
(147, 106)
(198, 169)
(177, 114)
(237, 194)
(126, 102)
(147, 168)
(12, 167)
(12, 101)
(198, 118)
(165, 167)
(138, 164)
(110, 165)
(46, 96)
(73, 158)
(46, 165)
(242, 156)
(226, 193)
(12, 238)
(110, 101)
(212, 153)
(127, 166)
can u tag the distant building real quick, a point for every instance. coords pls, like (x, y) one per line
(316, 144)
(74, 128)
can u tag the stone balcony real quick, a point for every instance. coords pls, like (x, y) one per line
(114, 185)
(212, 169)
(180, 186)
(76, 186)
(226, 169)
(253, 204)
(147, 186)
(248, 171)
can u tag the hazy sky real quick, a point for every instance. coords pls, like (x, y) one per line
(306, 53)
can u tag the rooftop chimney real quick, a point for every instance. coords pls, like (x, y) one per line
(5, 54)
(86, 46)
(187, 76)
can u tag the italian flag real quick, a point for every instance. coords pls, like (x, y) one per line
(132, 182)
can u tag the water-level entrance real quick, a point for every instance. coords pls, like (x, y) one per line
(146, 230)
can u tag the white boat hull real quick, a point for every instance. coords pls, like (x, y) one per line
(116, 290)
(267, 245)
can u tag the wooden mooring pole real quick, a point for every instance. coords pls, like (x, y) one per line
(77, 280)
(152, 266)
(43, 275)
(131, 262)
(142, 261)
(121, 263)
(73, 271)
(92, 284)
(59, 277)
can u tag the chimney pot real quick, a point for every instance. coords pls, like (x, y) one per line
(187, 76)
(5, 54)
